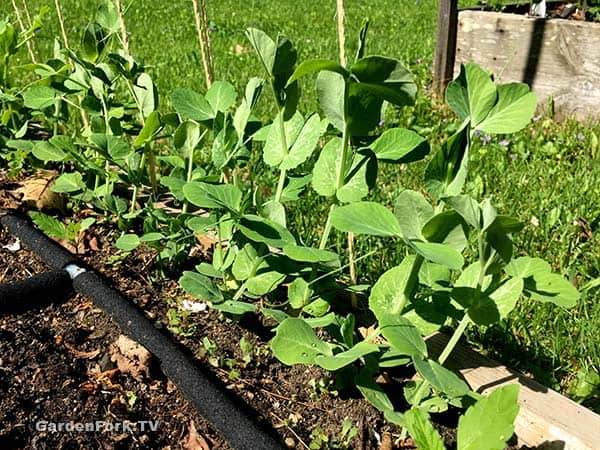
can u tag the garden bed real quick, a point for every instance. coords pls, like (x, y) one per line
(558, 58)
(202, 193)
(64, 348)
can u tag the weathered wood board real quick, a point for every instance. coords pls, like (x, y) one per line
(557, 58)
(546, 419)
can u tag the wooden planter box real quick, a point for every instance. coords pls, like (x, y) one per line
(546, 419)
(559, 59)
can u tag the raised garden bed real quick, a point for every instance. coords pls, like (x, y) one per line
(143, 183)
(559, 59)
(546, 419)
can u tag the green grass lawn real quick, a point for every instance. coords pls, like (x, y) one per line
(548, 175)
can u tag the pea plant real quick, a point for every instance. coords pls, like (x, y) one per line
(261, 253)
(211, 170)
(462, 270)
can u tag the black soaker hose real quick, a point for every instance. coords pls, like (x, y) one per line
(211, 401)
(36, 291)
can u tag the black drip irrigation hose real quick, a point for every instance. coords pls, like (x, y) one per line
(36, 291)
(213, 402)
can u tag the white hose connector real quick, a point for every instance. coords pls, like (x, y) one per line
(74, 270)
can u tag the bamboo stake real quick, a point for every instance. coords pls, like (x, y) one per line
(23, 29)
(341, 31)
(124, 36)
(342, 49)
(204, 40)
(61, 21)
(27, 15)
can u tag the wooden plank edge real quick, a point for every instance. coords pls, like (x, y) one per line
(546, 419)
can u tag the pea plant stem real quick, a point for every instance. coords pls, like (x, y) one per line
(190, 169)
(280, 184)
(151, 167)
(284, 145)
(465, 321)
(327, 229)
(148, 151)
(411, 283)
(458, 332)
(341, 174)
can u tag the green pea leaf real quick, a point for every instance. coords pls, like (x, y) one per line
(221, 96)
(356, 184)
(386, 78)
(69, 182)
(331, 88)
(152, 237)
(447, 227)
(191, 105)
(235, 307)
(317, 65)
(506, 295)
(366, 218)
(343, 359)
(468, 208)
(412, 212)
(40, 97)
(46, 151)
(264, 47)
(441, 378)
(295, 342)
(260, 229)
(264, 282)
(274, 152)
(324, 180)
(481, 308)
(526, 266)
(146, 94)
(439, 253)
(201, 287)
(422, 431)
(187, 137)
(388, 292)
(304, 144)
(489, 423)
(402, 335)
(552, 288)
(213, 196)
(299, 293)
(128, 242)
(112, 146)
(245, 264)
(399, 145)
(512, 112)
(309, 254)
(375, 395)
(152, 126)
(446, 173)
(472, 94)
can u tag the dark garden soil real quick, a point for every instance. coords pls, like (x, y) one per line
(55, 366)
